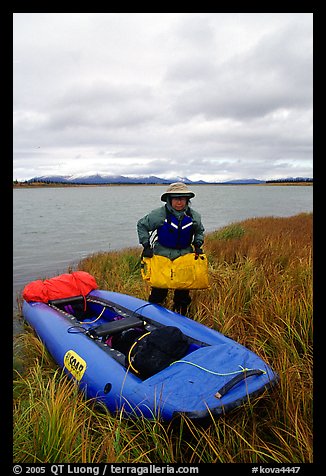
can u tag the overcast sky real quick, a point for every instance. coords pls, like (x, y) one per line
(212, 96)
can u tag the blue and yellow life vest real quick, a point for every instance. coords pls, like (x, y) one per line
(175, 234)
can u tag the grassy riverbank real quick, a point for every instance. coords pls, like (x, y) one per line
(261, 296)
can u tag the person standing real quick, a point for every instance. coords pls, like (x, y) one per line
(179, 231)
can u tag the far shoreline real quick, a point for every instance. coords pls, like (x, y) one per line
(65, 185)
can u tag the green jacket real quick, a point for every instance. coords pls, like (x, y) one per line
(149, 223)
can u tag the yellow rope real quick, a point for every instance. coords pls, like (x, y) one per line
(131, 349)
(92, 322)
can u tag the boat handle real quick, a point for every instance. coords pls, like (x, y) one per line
(235, 380)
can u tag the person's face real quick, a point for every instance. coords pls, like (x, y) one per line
(179, 203)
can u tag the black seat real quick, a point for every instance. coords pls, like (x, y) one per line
(69, 300)
(113, 327)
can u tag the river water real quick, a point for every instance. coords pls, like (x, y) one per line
(57, 227)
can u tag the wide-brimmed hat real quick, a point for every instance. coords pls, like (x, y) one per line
(177, 189)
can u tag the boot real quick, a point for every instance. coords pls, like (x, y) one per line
(181, 301)
(181, 309)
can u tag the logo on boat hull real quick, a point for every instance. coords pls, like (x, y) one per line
(75, 364)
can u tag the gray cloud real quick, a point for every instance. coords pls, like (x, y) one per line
(199, 95)
(275, 74)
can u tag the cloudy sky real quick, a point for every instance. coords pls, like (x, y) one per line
(212, 96)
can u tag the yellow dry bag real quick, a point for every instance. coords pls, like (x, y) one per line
(184, 272)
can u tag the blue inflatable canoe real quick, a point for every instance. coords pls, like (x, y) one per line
(215, 375)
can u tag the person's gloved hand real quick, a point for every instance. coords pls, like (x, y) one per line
(147, 251)
(198, 251)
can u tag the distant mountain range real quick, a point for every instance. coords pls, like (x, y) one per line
(121, 179)
(152, 179)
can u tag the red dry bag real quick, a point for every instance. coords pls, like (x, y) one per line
(78, 283)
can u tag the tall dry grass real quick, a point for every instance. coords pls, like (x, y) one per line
(261, 296)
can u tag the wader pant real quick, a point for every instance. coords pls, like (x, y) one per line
(181, 299)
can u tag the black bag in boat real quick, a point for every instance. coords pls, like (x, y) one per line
(125, 339)
(158, 349)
